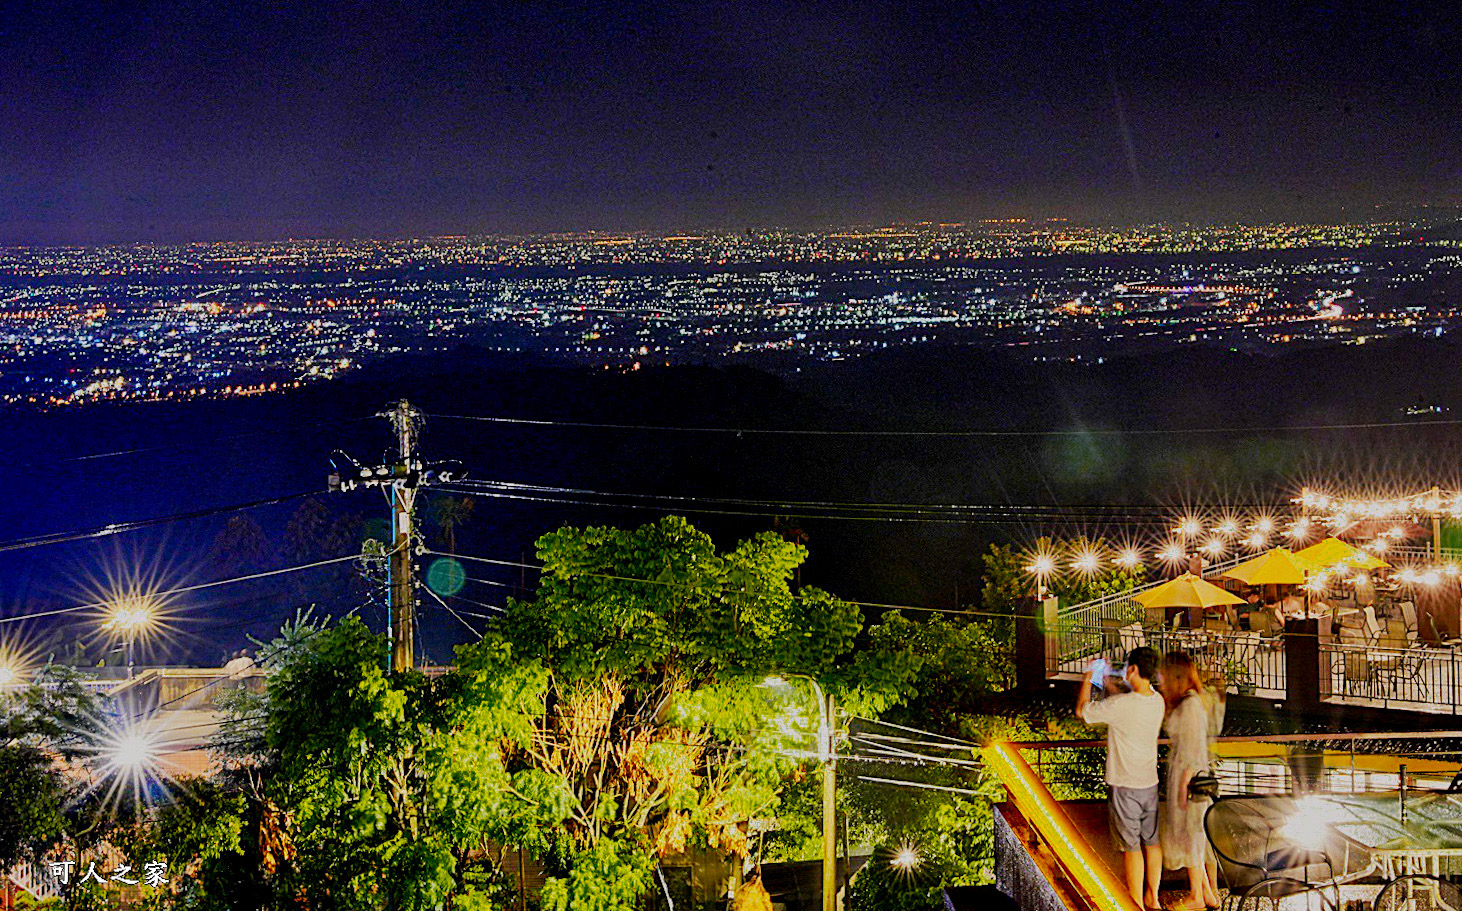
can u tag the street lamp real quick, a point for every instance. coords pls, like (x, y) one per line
(129, 618)
(828, 758)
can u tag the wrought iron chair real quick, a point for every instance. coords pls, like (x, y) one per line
(1256, 861)
(1419, 893)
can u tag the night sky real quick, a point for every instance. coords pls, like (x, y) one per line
(219, 120)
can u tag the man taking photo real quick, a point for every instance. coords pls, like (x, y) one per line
(1134, 719)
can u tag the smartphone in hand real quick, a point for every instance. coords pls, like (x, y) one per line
(1099, 671)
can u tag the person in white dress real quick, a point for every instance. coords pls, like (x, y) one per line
(1188, 723)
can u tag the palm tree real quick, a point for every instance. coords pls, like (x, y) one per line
(448, 514)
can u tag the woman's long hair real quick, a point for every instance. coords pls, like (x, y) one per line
(1178, 667)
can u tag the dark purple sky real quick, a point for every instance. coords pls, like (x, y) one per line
(212, 120)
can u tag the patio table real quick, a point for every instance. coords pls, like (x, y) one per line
(1429, 841)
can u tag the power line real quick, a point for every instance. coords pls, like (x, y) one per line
(953, 434)
(780, 509)
(115, 528)
(184, 589)
(193, 442)
(1012, 508)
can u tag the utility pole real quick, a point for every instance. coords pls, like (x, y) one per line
(829, 808)
(403, 420)
(400, 481)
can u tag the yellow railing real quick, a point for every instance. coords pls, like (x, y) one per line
(1082, 864)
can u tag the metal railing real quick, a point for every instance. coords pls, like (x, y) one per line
(1252, 664)
(1416, 678)
(1121, 606)
(31, 878)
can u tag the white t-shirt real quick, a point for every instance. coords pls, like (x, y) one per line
(1133, 722)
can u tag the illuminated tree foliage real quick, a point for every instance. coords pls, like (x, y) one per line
(619, 717)
(657, 719)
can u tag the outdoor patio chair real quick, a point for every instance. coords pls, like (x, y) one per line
(1409, 673)
(1373, 626)
(1419, 893)
(1437, 633)
(1246, 648)
(1393, 635)
(1356, 665)
(1271, 894)
(1133, 636)
(1255, 860)
(1263, 623)
(1408, 616)
(1111, 634)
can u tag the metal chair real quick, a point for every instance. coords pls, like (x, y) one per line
(1357, 662)
(1419, 893)
(1256, 861)
(1133, 636)
(1408, 616)
(1437, 633)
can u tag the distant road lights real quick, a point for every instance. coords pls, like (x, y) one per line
(1213, 547)
(1228, 528)
(1129, 559)
(1189, 527)
(1087, 562)
(1256, 541)
(1264, 525)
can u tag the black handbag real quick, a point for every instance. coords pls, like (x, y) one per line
(1204, 784)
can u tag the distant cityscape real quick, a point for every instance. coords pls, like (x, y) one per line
(152, 322)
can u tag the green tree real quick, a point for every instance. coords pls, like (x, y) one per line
(367, 789)
(962, 663)
(40, 805)
(657, 719)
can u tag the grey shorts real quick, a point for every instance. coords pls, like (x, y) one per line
(1132, 814)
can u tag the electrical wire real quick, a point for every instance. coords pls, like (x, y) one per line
(273, 432)
(773, 508)
(95, 605)
(122, 527)
(951, 434)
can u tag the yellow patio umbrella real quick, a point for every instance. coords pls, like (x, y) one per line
(1331, 551)
(1186, 591)
(1276, 567)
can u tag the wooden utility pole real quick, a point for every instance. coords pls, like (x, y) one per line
(829, 808)
(400, 481)
(403, 419)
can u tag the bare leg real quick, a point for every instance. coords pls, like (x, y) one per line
(1132, 861)
(1153, 854)
(1210, 894)
(1194, 902)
